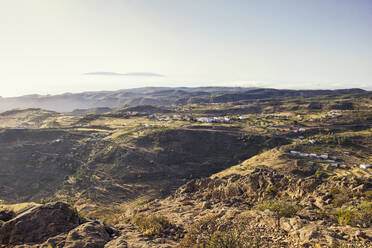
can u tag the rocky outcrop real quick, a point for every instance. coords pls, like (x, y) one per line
(235, 201)
(39, 224)
(56, 225)
(273, 209)
(88, 235)
(120, 242)
(253, 185)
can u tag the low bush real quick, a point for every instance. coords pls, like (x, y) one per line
(271, 189)
(280, 207)
(151, 225)
(362, 216)
(231, 239)
(345, 216)
(319, 173)
(209, 232)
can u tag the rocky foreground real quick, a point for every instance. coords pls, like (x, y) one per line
(263, 208)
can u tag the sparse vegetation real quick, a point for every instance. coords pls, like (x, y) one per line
(345, 217)
(151, 225)
(361, 216)
(271, 189)
(113, 165)
(208, 233)
(281, 207)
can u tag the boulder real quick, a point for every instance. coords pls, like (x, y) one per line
(39, 224)
(291, 224)
(56, 241)
(306, 234)
(88, 235)
(120, 242)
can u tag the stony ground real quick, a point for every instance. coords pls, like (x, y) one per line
(208, 206)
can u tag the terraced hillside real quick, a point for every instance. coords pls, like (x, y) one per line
(288, 171)
(59, 164)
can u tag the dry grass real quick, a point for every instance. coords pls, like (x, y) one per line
(271, 158)
(18, 207)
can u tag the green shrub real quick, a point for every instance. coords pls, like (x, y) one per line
(271, 189)
(362, 216)
(280, 207)
(319, 173)
(345, 216)
(151, 225)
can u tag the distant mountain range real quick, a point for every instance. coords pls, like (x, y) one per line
(163, 96)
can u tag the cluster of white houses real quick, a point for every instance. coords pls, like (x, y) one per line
(365, 166)
(310, 155)
(332, 114)
(328, 159)
(175, 117)
(224, 119)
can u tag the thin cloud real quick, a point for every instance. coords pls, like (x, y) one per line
(137, 74)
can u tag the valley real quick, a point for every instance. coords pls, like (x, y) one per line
(290, 168)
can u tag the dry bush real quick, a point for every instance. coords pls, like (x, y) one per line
(151, 225)
(280, 207)
(210, 232)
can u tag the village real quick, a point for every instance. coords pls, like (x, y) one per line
(331, 160)
(298, 126)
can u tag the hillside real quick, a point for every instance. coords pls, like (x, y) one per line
(290, 170)
(80, 164)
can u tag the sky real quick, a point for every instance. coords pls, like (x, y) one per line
(57, 46)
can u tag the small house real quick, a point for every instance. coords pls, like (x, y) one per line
(324, 156)
(365, 166)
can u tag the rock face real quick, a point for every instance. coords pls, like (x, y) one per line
(206, 210)
(39, 224)
(87, 235)
(55, 225)
(117, 243)
(306, 219)
(252, 185)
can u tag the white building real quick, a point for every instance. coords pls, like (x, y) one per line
(205, 119)
(365, 166)
(324, 156)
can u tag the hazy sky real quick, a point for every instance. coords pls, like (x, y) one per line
(55, 46)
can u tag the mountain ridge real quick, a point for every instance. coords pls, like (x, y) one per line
(162, 96)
